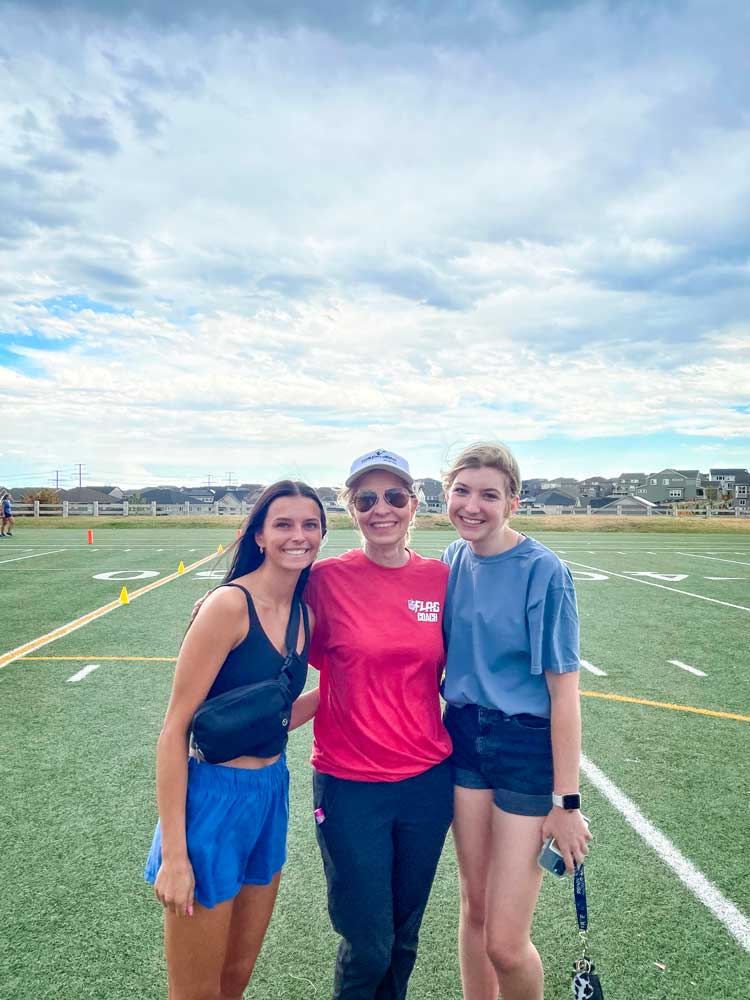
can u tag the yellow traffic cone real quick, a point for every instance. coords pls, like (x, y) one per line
(220, 548)
(181, 567)
(124, 599)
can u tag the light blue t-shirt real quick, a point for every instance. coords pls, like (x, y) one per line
(508, 618)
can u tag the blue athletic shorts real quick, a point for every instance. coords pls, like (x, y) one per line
(236, 821)
(511, 754)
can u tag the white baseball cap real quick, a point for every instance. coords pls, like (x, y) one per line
(388, 461)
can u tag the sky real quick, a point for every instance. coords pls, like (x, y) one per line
(255, 240)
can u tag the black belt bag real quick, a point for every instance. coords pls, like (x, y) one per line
(242, 720)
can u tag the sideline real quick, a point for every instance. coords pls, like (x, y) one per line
(62, 630)
(726, 912)
(661, 586)
(665, 704)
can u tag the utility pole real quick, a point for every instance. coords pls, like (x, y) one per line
(79, 466)
(229, 478)
(57, 478)
(209, 480)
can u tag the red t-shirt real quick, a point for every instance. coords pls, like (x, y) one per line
(378, 644)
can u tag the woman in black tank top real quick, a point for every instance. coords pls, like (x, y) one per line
(220, 842)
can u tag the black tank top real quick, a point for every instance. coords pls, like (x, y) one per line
(257, 659)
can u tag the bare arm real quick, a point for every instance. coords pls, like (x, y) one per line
(566, 826)
(216, 629)
(305, 707)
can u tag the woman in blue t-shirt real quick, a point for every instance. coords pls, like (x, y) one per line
(511, 685)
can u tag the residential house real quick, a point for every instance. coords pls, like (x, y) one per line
(625, 505)
(563, 483)
(114, 492)
(734, 483)
(430, 495)
(629, 482)
(531, 487)
(595, 486)
(671, 485)
(87, 494)
(557, 502)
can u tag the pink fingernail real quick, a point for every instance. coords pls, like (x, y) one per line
(190, 911)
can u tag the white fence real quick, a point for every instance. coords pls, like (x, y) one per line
(123, 509)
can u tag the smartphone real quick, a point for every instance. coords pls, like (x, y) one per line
(550, 858)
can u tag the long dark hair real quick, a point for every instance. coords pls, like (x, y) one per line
(247, 556)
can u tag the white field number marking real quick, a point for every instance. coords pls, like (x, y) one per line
(592, 669)
(730, 916)
(122, 575)
(83, 673)
(211, 574)
(581, 575)
(686, 666)
(661, 586)
(669, 577)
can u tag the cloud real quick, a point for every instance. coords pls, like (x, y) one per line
(422, 222)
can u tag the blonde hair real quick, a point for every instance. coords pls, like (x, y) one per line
(484, 455)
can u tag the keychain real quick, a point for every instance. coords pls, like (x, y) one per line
(585, 985)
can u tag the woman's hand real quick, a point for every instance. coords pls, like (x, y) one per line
(571, 834)
(175, 888)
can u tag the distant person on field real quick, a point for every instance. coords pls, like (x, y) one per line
(7, 521)
(220, 843)
(511, 687)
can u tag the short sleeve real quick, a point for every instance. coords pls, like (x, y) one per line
(553, 631)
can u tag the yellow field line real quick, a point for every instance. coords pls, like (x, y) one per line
(58, 633)
(120, 659)
(587, 694)
(664, 704)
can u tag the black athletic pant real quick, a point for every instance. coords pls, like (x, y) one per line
(380, 842)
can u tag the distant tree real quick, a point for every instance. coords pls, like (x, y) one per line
(136, 498)
(43, 495)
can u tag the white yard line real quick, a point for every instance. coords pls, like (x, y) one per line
(35, 556)
(661, 586)
(29, 647)
(694, 555)
(690, 670)
(730, 916)
(83, 673)
(592, 669)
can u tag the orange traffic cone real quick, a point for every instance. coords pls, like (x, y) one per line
(89, 537)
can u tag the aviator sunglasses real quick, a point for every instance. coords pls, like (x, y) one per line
(365, 500)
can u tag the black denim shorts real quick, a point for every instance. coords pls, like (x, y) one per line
(511, 754)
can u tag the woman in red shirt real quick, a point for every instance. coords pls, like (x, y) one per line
(383, 791)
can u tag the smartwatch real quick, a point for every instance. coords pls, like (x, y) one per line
(567, 801)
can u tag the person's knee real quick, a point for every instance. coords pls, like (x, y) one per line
(506, 953)
(235, 976)
(369, 956)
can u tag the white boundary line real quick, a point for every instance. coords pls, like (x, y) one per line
(694, 555)
(592, 669)
(35, 556)
(84, 672)
(730, 916)
(661, 586)
(690, 670)
(43, 640)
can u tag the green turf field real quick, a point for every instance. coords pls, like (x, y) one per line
(77, 809)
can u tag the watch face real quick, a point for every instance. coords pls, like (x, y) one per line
(571, 801)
